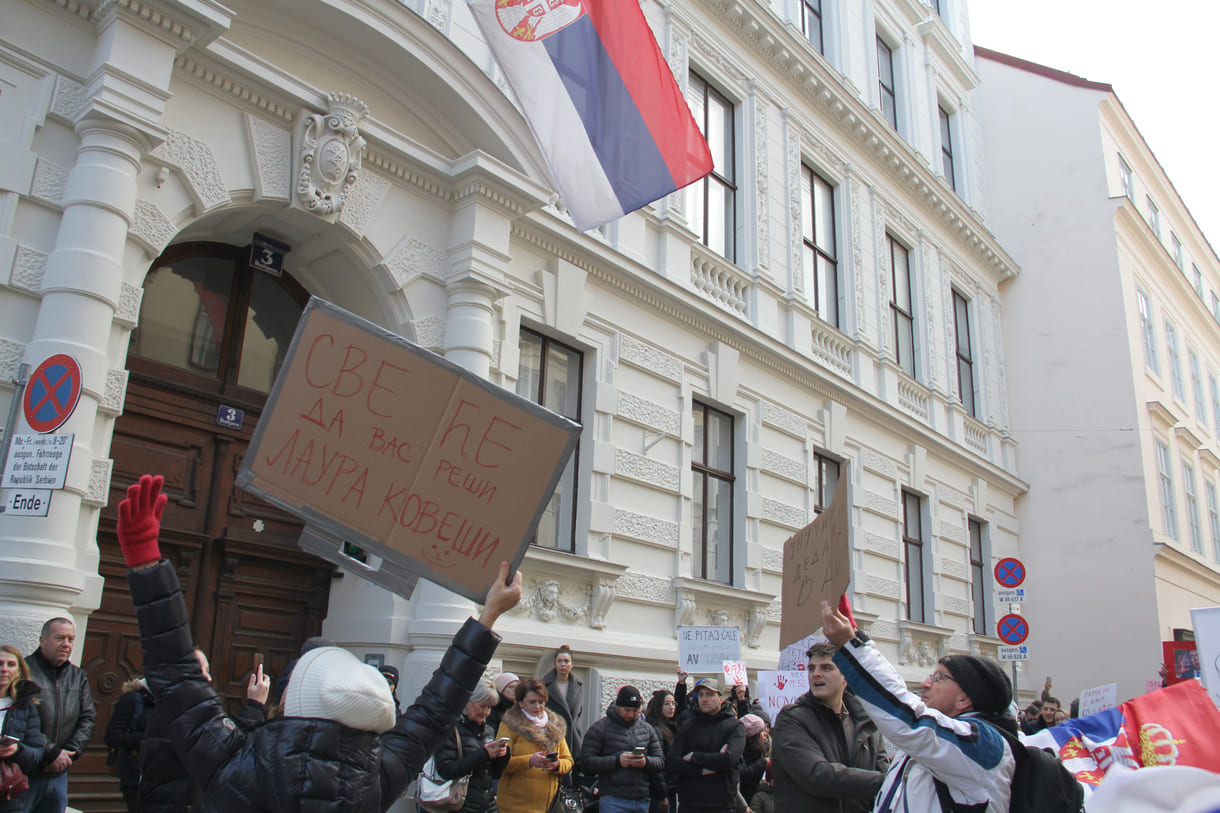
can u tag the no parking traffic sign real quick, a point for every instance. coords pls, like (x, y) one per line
(1009, 572)
(1012, 629)
(52, 393)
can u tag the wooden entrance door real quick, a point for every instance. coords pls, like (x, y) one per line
(248, 587)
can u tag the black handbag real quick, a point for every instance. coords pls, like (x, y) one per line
(568, 800)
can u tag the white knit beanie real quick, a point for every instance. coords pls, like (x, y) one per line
(330, 683)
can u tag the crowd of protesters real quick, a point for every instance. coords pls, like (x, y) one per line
(333, 737)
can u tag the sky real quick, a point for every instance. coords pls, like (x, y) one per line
(1160, 58)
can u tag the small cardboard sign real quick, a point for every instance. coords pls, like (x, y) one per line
(817, 566)
(703, 650)
(735, 673)
(778, 689)
(1098, 699)
(382, 445)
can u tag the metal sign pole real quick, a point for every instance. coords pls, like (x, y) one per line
(23, 374)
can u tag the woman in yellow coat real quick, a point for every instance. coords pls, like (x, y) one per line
(537, 751)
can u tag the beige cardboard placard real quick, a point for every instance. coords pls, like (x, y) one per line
(817, 566)
(385, 445)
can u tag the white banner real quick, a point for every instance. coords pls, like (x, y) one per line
(703, 650)
(1207, 645)
(1098, 699)
(778, 689)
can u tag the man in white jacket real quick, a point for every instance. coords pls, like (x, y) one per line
(948, 736)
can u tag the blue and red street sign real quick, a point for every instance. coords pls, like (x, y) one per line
(1009, 572)
(52, 393)
(1012, 629)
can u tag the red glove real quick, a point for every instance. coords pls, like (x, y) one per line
(845, 608)
(140, 521)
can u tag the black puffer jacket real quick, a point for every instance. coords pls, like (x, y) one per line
(290, 765)
(22, 723)
(703, 736)
(125, 732)
(608, 738)
(483, 770)
(65, 706)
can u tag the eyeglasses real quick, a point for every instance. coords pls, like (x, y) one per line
(937, 677)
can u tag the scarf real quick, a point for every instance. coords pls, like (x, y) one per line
(539, 721)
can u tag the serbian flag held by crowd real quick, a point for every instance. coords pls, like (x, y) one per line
(601, 101)
(1177, 725)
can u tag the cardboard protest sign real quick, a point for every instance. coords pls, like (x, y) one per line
(703, 650)
(816, 567)
(1207, 638)
(793, 658)
(1098, 699)
(778, 689)
(383, 445)
(735, 673)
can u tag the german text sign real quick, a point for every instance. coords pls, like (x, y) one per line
(816, 567)
(384, 445)
(38, 461)
(703, 650)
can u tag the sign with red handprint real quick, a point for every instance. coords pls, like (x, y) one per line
(778, 689)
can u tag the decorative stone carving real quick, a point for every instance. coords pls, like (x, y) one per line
(329, 154)
(271, 149)
(876, 543)
(648, 413)
(99, 483)
(875, 461)
(28, 268)
(600, 599)
(918, 653)
(544, 600)
(362, 202)
(879, 504)
(645, 528)
(69, 98)
(11, 354)
(782, 419)
(430, 333)
(719, 618)
(783, 466)
(792, 171)
(151, 228)
(127, 310)
(197, 165)
(755, 625)
(412, 257)
(637, 585)
(646, 470)
(784, 514)
(651, 359)
(50, 180)
(761, 180)
(115, 393)
(773, 560)
(684, 610)
(880, 586)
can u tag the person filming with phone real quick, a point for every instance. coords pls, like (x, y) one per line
(538, 752)
(624, 751)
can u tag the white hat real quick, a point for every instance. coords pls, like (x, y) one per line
(330, 683)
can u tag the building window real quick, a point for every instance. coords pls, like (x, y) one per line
(1214, 387)
(1169, 516)
(1175, 250)
(1126, 179)
(885, 83)
(1197, 279)
(713, 200)
(946, 148)
(1215, 306)
(1145, 307)
(1175, 364)
(979, 587)
(827, 472)
(712, 511)
(811, 23)
(1196, 385)
(965, 360)
(912, 545)
(819, 258)
(551, 375)
(936, 7)
(1213, 519)
(1192, 508)
(1154, 218)
(900, 306)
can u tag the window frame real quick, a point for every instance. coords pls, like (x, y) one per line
(903, 319)
(1213, 517)
(1192, 507)
(884, 54)
(1196, 385)
(727, 184)
(822, 495)
(1144, 305)
(702, 475)
(1176, 251)
(1164, 463)
(980, 584)
(570, 483)
(965, 358)
(1154, 217)
(820, 256)
(914, 542)
(1174, 357)
(1126, 179)
(814, 8)
(947, 158)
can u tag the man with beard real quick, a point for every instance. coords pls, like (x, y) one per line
(826, 754)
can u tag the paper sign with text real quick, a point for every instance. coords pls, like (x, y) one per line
(703, 650)
(1206, 621)
(778, 689)
(793, 657)
(1098, 699)
(390, 448)
(816, 567)
(735, 673)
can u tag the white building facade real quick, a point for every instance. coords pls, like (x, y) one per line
(1113, 338)
(826, 305)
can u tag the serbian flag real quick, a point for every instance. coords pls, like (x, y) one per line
(601, 101)
(1177, 725)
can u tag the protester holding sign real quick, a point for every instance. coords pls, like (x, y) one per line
(338, 712)
(827, 754)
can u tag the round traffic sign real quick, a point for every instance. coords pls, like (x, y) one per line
(1012, 629)
(1009, 572)
(51, 393)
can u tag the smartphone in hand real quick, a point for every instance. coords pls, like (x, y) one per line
(7, 740)
(552, 756)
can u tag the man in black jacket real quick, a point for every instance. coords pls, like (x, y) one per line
(826, 754)
(624, 751)
(705, 753)
(67, 714)
(338, 748)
